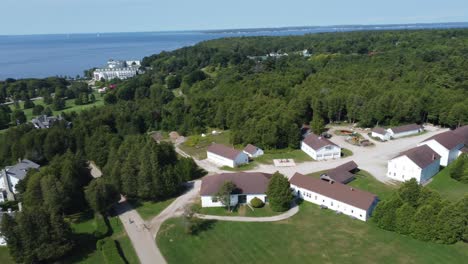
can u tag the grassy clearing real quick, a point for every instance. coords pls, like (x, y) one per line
(366, 182)
(296, 154)
(243, 167)
(311, 236)
(346, 152)
(70, 106)
(447, 187)
(5, 256)
(241, 210)
(196, 145)
(149, 209)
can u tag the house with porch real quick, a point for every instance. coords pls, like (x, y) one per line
(248, 186)
(320, 148)
(334, 195)
(226, 156)
(420, 163)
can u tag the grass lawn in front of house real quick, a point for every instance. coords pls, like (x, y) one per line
(149, 209)
(447, 187)
(296, 154)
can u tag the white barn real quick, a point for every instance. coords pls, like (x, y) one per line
(379, 132)
(447, 144)
(320, 148)
(249, 186)
(253, 151)
(420, 163)
(334, 195)
(406, 130)
(226, 156)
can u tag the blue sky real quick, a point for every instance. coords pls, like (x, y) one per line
(77, 16)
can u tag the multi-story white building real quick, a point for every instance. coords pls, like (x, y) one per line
(226, 156)
(320, 148)
(447, 144)
(420, 163)
(334, 195)
(248, 186)
(117, 70)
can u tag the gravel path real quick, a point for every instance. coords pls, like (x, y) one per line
(294, 210)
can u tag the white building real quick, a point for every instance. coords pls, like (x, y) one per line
(381, 133)
(334, 195)
(226, 156)
(447, 144)
(117, 70)
(320, 148)
(11, 175)
(249, 186)
(406, 130)
(420, 163)
(253, 151)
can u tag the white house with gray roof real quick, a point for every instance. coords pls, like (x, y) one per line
(11, 175)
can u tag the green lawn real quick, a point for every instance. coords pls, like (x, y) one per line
(69, 106)
(296, 154)
(5, 256)
(346, 152)
(242, 210)
(448, 187)
(366, 182)
(311, 236)
(196, 145)
(243, 167)
(148, 209)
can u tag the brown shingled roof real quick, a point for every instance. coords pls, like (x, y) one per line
(447, 139)
(317, 142)
(338, 191)
(463, 133)
(251, 149)
(246, 182)
(379, 130)
(342, 173)
(422, 156)
(405, 128)
(224, 151)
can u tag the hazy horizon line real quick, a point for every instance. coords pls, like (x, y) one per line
(240, 29)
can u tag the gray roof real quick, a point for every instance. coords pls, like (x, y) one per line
(44, 121)
(317, 142)
(422, 156)
(20, 169)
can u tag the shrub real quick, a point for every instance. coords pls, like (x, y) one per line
(110, 251)
(102, 229)
(256, 202)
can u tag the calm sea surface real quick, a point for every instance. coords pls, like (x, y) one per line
(52, 55)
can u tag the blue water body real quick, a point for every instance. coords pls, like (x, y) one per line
(36, 56)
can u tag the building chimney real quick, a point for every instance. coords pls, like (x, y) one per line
(433, 156)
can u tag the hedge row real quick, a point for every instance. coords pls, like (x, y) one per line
(110, 251)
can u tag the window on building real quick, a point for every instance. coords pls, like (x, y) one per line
(323, 201)
(352, 211)
(214, 199)
(315, 197)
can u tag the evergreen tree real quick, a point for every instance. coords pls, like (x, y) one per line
(18, 117)
(279, 193)
(28, 104)
(224, 193)
(450, 224)
(404, 218)
(47, 111)
(37, 110)
(409, 192)
(422, 227)
(101, 196)
(58, 104)
(317, 125)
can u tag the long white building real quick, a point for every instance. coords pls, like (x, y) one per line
(320, 148)
(448, 145)
(117, 70)
(334, 195)
(226, 156)
(420, 163)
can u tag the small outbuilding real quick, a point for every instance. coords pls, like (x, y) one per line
(226, 156)
(253, 151)
(343, 173)
(381, 133)
(406, 130)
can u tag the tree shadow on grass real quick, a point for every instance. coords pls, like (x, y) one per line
(202, 226)
(84, 247)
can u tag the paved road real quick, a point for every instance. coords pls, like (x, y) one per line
(294, 210)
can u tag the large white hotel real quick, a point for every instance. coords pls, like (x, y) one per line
(117, 69)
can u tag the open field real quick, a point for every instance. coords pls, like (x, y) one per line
(196, 146)
(148, 209)
(448, 187)
(311, 236)
(69, 106)
(242, 210)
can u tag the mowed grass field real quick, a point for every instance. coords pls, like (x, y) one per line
(148, 209)
(196, 145)
(447, 187)
(312, 236)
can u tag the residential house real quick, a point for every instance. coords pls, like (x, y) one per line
(226, 156)
(44, 121)
(320, 148)
(11, 175)
(406, 130)
(253, 151)
(334, 195)
(249, 185)
(382, 133)
(343, 173)
(448, 145)
(420, 163)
